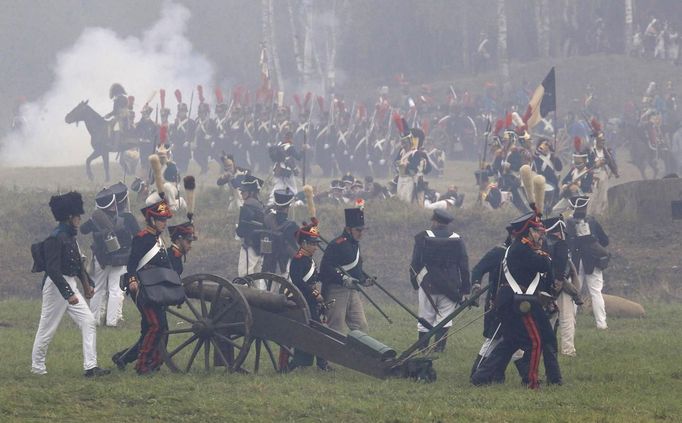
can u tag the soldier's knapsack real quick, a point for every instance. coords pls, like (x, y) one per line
(276, 153)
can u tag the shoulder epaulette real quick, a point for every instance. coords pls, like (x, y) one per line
(341, 240)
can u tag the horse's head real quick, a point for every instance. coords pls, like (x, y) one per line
(78, 113)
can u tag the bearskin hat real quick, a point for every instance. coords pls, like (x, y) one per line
(66, 205)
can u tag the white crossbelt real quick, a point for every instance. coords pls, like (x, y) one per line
(512, 282)
(149, 255)
(310, 272)
(349, 266)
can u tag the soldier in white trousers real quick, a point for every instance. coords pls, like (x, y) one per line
(60, 258)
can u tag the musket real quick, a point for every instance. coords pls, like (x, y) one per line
(421, 320)
(607, 154)
(305, 148)
(191, 101)
(485, 147)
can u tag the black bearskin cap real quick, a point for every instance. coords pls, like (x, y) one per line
(66, 205)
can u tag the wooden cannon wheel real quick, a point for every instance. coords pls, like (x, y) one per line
(217, 317)
(277, 284)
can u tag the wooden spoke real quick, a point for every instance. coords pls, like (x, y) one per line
(178, 331)
(207, 355)
(183, 345)
(229, 341)
(202, 299)
(272, 355)
(229, 325)
(180, 315)
(220, 353)
(194, 310)
(197, 347)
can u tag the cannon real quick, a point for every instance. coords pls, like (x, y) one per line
(232, 327)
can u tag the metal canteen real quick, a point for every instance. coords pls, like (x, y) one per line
(111, 243)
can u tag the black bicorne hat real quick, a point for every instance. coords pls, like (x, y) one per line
(120, 191)
(284, 197)
(251, 183)
(105, 199)
(355, 218)
(66, 205)
(554, 224)
(442, 216)
(579, 202)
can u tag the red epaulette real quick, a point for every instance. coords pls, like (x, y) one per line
(176, 251)
(341, 240)
(298, 255)
(142, 232)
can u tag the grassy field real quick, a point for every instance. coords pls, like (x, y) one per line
(629, 373)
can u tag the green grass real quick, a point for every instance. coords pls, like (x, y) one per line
(629, 373)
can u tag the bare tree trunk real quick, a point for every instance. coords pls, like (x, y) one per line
(296, 38)
(463, 14)
(308, 51)
(628, 26)
(331, 52)
(502, 56)
(267, 10)
(541, 9)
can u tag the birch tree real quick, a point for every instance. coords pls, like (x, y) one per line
(628, 26)
(267, 9)
(502, 56)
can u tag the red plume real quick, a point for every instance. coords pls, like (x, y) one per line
(131, 102)
(596, 126)
(508, 121)
(498, 126)
(163, 134)
(577, 144)
(219, 96)
(162, 96)
(426, 125)
(178, 96)
(399, 123)
(307, 98)
(320, 102)
(526, 116)
(200, 91)
(362, 111)
(297, 100)
(237, 94)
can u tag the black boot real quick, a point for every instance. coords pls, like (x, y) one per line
(475, 366)
(441, 340)
(423, 340)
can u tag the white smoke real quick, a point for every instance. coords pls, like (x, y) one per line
(161, 58)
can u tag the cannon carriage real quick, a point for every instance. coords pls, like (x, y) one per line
(231, 326)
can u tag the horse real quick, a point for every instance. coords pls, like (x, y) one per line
(101, 140)
(647, 147)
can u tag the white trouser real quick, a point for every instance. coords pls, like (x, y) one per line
(250, 262)
(599, 201)
(405, 188)
(595, 283)
(107, 282)
(433, 316)
(282, 182)
(566, 323)
(51, 313)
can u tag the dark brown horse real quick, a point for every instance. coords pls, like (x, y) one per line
(101, 140)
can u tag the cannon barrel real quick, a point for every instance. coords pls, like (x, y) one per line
(270, 301)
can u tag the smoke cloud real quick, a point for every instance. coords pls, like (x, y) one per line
(162, 57)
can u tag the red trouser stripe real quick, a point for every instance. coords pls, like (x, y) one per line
(149, 342)
(536, 346)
